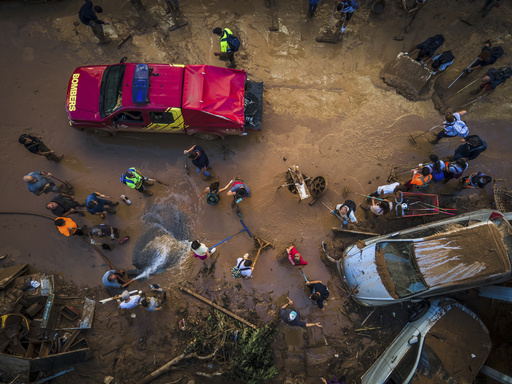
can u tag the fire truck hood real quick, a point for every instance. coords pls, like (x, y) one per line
(82, 100)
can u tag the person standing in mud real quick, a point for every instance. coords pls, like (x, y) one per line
(487, 57)
(453, 126)
(427, 48)
(347, 9)
(154, 299)
(200, 159)
(64, 205)
(113, 279)
(35, 145)
(88, 16)
(96, 205)
(492, 79)
(213, 191)
(295, 257)
(201, 251)
(472, 148)
(413, 13)
(136, 180)
(128, 301)
(239, 191)
(291, 316)
(38, 183)
(226, 53)
(319, 292)
(313, 5)
(103, 231)
(475, 180)
(68, 227)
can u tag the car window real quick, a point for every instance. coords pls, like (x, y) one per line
(129, 117)
(111, 92)
(401, 266)
(161, 117)
(434, 230)
(405, 366)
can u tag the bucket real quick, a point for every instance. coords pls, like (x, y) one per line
(378, 6)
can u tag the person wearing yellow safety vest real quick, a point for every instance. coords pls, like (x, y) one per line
(225, 50)
(136, 180)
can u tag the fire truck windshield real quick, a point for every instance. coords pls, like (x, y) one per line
(111, 90)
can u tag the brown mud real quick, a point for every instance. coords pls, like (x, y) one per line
(325, 109)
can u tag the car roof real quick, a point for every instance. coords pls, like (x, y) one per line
(465, 253)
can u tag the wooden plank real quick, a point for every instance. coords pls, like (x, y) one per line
(70, 341)
(198, 296)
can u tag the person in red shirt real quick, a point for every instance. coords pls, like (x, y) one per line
(295, 257)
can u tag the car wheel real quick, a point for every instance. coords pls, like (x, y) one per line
(206, 136)
(418, 310)
(99, 132)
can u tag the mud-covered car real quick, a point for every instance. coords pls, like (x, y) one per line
(455, 254)
(447, 344)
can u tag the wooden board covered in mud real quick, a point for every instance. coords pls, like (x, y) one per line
(408, 76)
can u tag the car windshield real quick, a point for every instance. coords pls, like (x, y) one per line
(401, 266)
(111, 93)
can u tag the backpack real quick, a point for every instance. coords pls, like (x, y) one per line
(350, 205)
(236, 272)
(497, 52)
(437, 176)
(233, 42)
(499, 76)
(445, 57)
(212, 198)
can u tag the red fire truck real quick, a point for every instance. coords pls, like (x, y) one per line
(202, 100)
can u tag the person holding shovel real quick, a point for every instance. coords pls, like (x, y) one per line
(492, 79)
(136, 180)
(201, 251)
(38, 183)
(243, 267)
(418, 4)
(453, 126)
(113, 279)
(68, 227)
(347, 9)
(291, 316)
(295, 257)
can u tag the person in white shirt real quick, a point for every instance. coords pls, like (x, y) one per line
(245, 266)
(453, 126)
(129, 301)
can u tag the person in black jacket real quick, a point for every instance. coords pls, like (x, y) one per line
(427, 48)
(87, 16)
(35, 145)
(319, 292)
(487, 57)
(471, 149)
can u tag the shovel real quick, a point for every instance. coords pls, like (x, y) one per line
(400, 37)
(329, 37)
(421, 134)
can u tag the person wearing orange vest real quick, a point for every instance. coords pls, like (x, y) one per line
(68, 227)
(420, 180)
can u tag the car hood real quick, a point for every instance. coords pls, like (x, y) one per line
(360, 270)
(82, 102)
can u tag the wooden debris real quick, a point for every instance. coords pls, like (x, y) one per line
(209, 302)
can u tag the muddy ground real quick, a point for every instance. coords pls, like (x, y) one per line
(325, 109)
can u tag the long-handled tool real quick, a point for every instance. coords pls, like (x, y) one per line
(110, 265)
(471, 102)
(469, 66)
(62, 181)
(424, 133)
(329, 36)
(158, 181)
(273, 28)
(175, 14)
(243, 230)
(116, 297)
(303, 274)
(186, 165)
(400, 37)
(262, 244)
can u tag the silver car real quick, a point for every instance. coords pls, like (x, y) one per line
(448, 344)
(455, 254)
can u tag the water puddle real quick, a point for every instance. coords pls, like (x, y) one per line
(164, 244)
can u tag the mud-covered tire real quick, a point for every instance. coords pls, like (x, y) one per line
(206, 136)
(98, 132)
